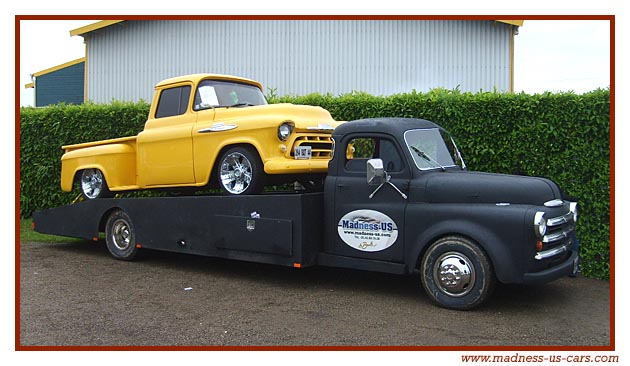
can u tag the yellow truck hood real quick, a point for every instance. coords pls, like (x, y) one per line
(304, 117)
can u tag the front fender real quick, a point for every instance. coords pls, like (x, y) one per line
(208, 152)
(499, 234)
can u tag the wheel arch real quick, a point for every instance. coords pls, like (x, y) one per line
(105, 216)
(502, 261)
(212, 178)
(70, 175)
(77, 171)
(116, 161)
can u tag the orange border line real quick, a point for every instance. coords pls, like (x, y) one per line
(611, 347)
(611, 213)
(17, 182)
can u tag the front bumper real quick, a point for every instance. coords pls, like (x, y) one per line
(290, 166)
(565, 268)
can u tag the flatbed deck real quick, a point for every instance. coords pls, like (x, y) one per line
(283, 229)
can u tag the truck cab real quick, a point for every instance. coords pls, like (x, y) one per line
(400, 198)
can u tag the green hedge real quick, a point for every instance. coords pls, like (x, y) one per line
(44, 130)
(563, 136)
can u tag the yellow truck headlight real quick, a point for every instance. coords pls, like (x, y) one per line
(284, 131)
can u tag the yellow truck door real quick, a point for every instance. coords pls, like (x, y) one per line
(165, 151)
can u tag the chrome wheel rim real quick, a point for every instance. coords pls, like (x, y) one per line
(92, 183)
(236, 173)
(121, 235)
(454, 274)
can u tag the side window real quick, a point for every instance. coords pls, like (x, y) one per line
(392, 162)
(359, 150)
(173, 102)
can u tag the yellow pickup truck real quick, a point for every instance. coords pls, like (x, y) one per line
(206, 130)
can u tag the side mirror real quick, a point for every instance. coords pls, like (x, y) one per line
(375, 173)
(377, 176)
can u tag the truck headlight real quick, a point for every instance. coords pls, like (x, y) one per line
(574, 210)
(284, 131)
(540, 224)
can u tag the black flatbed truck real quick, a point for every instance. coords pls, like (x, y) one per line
(397, 199)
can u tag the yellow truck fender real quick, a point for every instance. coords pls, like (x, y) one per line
(117, 161)
(209, 168)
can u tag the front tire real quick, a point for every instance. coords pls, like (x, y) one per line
(240, 171)
(93, 184)
(457, 274)
(120, 236)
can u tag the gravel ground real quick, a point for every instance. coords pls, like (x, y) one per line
(75, 294)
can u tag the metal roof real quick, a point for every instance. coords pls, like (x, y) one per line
(53, 69)
(195, 78)
(518, 23)
(389, 125)
(59, 67)
(106, 23)
(94, 26)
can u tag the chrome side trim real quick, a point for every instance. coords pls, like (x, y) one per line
(217, 127)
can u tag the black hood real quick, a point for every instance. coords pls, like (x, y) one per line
(475, 187)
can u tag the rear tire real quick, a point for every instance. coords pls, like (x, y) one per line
(457, 274)
(93, 184)
(120, 236)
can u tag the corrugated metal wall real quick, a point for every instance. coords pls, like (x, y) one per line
(299, 57)
(64, 85)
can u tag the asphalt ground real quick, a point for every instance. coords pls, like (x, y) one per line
(74, 294)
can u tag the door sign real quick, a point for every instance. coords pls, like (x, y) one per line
(367, 230)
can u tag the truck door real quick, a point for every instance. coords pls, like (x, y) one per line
(370, 228)
(165, 151)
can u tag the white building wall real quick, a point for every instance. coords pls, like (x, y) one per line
(381, 57)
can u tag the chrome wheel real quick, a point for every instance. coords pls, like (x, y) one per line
(121, 234)
(92, 183)
(457, 273)
(454, 273)
(236, 173)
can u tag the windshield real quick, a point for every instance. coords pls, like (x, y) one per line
(223, 93)
(433, 148)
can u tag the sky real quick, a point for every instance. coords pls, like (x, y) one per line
(562, 55)
(550, 55)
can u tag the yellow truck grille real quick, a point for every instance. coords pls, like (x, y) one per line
(321, 145)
